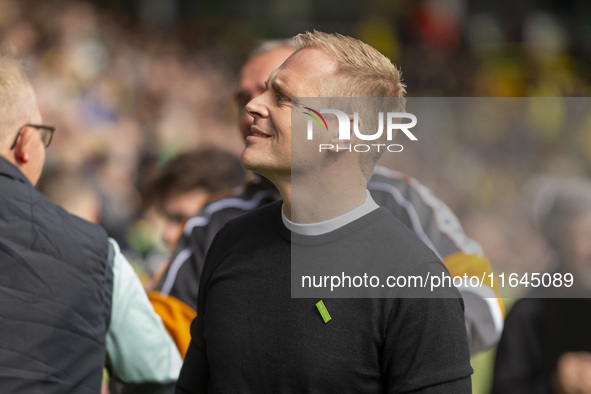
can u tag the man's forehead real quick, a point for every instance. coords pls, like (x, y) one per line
(312, 60)
(306, 65)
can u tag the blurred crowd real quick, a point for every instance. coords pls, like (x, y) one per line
(122, 103)
(132, 85)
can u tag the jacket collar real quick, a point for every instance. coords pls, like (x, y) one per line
(9, 170)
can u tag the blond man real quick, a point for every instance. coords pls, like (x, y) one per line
(409, 201)
(250, 335)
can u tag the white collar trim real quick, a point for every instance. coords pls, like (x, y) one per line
(329, 225)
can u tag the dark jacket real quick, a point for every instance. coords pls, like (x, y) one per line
(55, 293)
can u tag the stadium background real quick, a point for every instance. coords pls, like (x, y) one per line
(129, 84)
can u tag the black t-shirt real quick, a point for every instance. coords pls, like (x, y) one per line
(251, 336)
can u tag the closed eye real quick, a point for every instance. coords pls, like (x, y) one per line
(282, 98)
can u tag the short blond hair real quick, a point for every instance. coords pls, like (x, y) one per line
(366, 72)
(362, 72)
(17, 98)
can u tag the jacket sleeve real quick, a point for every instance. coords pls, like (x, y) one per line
(180, 277)
(139, 350)
(436, 225)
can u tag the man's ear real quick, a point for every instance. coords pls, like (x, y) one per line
(343, 145)
(23, 145)
(354, 139)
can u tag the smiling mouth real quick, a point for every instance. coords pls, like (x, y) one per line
(255, 131)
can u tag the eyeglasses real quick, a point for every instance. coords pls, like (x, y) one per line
(46, 134)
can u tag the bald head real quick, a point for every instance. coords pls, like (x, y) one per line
(253, 76)
(18, 103)
(20, 143)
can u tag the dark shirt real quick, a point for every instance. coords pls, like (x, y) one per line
(251, 336)
(537, 332)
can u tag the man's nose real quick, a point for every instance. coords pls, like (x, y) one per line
(257, 107)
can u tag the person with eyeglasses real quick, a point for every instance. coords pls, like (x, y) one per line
(70, 302)
(46, 133)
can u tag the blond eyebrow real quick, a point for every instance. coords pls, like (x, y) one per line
(271, 77)
(279, 87)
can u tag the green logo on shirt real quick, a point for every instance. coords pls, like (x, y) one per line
(323, 312)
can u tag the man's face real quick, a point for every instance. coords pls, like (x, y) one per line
(268, 147)
(252, 82)
(177, 208)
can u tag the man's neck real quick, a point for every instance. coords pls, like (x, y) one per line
(314, 200)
